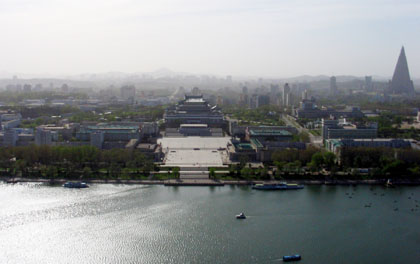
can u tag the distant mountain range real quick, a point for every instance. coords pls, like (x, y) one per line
(340, 78)
(167, 73)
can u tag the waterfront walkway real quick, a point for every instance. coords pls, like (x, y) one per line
(210, 182)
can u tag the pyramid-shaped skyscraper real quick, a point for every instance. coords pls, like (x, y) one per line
(401, 82)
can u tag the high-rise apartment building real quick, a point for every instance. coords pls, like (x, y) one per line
(368, 83)
(333, 85)
(128, 92)
(286, 94)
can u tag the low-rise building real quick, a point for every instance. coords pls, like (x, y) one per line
(241, 151)
(332, 129)
(149, 129)
(9, 117)
(265, 149)
(13, 138)
(267, 134)
(33, 102)
(239, 131)
(112, 132)
(10, 138)
(152, 151)
(25, 140)
(97, 139)
(336, 145)
(309, 109)
(11, 124)
(65, 131)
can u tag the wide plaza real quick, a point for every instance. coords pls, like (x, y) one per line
(194, 151)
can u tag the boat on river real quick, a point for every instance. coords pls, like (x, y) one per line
(389, 183)
(77, 185)
(241, 216)
(292, 258)
(277, 186)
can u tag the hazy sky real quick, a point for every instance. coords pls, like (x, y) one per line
(277, 38)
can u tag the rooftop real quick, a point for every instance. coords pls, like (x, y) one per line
(113, 127)
(194, 125)
(265, 132)
(146, 146)
(243, 146)
(194, 100)
(256, 143)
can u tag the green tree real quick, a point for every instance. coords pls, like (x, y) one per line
(304, 137)
(51, 172)
(329, 160)
(415, 171)
(87, 172)
(176, 173)
(246, 172)
(212, 173)
(243, 160)
(280, 165)
(317, 160)
(114, 170)
(21, 167)
(148, 167)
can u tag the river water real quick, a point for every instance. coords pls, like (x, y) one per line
(157, 224)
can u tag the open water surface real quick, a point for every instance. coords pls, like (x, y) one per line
(157, 224)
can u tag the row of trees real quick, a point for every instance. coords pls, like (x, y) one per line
(380, 161)
(73, 162)
(45, 110)
(402, 107)
(116, 113)
(400, 162)
(16, 97)
(90, 162)
(266, 115)
(389, 126)
(287, 162)
(292, 160)
(243, 172)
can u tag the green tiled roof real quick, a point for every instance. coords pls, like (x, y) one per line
(256, 143)
(264, 132)
(243, 146)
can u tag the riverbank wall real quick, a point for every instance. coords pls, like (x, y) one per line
(209, 182)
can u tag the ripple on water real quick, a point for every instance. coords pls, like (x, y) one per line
(156, 224)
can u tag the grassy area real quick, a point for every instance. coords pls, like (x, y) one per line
(315, 132)
(264, 115)
(294, 122)
(229, 178)
(163, 176)
(165, 168)
(220, 168)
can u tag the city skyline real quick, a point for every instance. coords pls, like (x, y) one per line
(223, 131)
(238, 38)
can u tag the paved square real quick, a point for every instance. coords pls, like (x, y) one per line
(194, 151)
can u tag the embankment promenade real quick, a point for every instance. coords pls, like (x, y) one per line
(210, 182)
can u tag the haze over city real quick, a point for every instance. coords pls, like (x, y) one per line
(239, 38)
(191, 131)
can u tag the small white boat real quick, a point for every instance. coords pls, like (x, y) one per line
(241, 216)
(77, 185)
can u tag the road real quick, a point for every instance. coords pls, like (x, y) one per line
(316, 140)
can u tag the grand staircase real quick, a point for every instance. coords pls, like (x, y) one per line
(194, 173)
